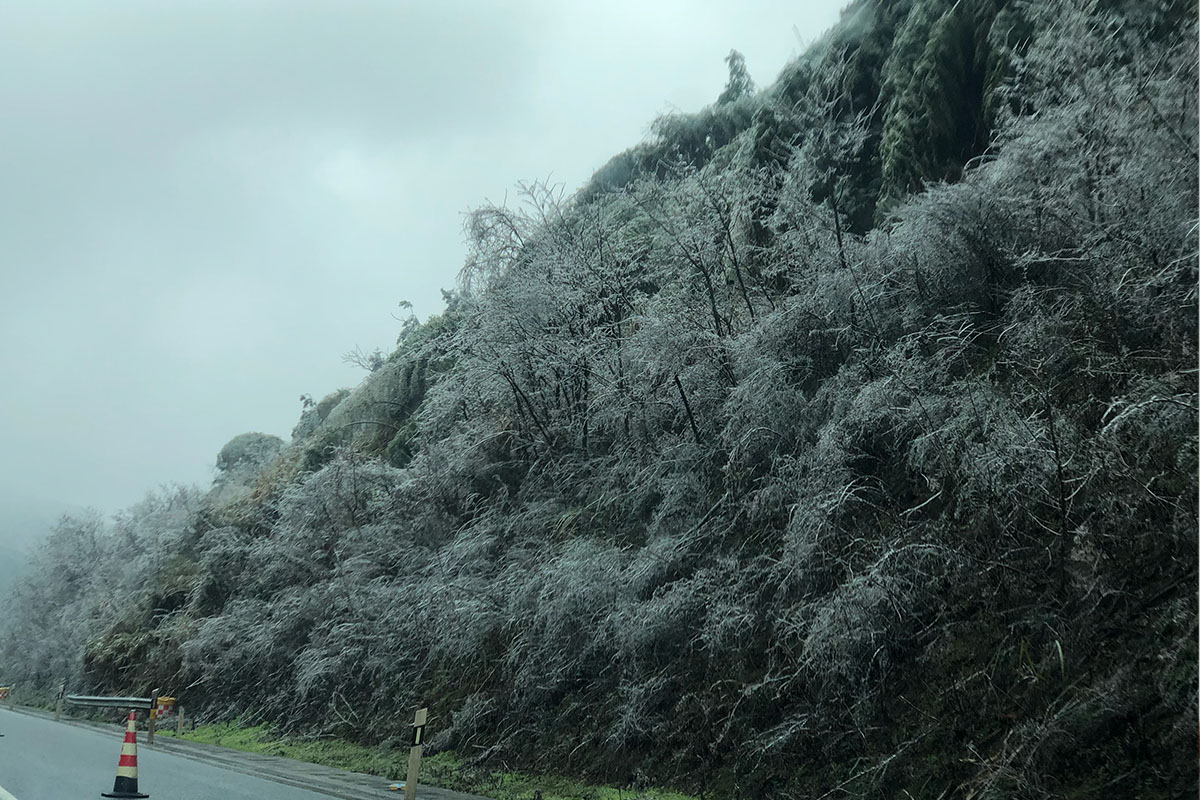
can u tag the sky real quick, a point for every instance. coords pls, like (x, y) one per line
(205, 205)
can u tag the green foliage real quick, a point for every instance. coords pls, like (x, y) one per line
(173, 584)
(619, 172)
(329, 402)
(695, 138)
(939, 82)
(925, 78)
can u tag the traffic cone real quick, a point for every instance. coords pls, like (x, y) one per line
(126, 783)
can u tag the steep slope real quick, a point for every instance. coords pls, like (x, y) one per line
(923, 80)
(765, 465)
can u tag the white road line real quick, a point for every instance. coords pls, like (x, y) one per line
(4, 795)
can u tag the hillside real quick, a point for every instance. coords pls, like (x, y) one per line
(839, 440)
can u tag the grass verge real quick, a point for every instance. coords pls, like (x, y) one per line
(444, 770)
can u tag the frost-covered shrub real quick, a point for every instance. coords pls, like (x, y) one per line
(247, 451)
(696, 479)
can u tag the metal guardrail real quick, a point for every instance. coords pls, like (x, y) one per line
(149, 704)
(146, 703)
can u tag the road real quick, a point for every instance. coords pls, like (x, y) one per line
(41, 759)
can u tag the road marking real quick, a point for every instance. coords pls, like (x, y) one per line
(4, 795)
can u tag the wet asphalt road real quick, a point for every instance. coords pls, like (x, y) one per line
(44, 760)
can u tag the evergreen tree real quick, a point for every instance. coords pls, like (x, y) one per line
(739, 85)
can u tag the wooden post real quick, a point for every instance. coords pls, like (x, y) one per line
(152, 716)
(58, 702)
(414, 754)
(179, 720)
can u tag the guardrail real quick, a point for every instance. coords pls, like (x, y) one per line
(143, 703)
(148, 704)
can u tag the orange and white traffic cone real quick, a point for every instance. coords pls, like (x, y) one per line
(126, 782)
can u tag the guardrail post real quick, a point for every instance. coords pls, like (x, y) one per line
(414, 754)
(58, 702)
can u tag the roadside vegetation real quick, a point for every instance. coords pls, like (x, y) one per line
(390, 760)
(839, 440)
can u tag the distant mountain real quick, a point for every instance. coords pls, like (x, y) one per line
(26, 520)
(24, 523)
(13, 562)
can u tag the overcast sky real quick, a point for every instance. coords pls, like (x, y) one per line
(204, 205)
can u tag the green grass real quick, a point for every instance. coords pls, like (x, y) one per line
(330, 752)
(445, 769)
